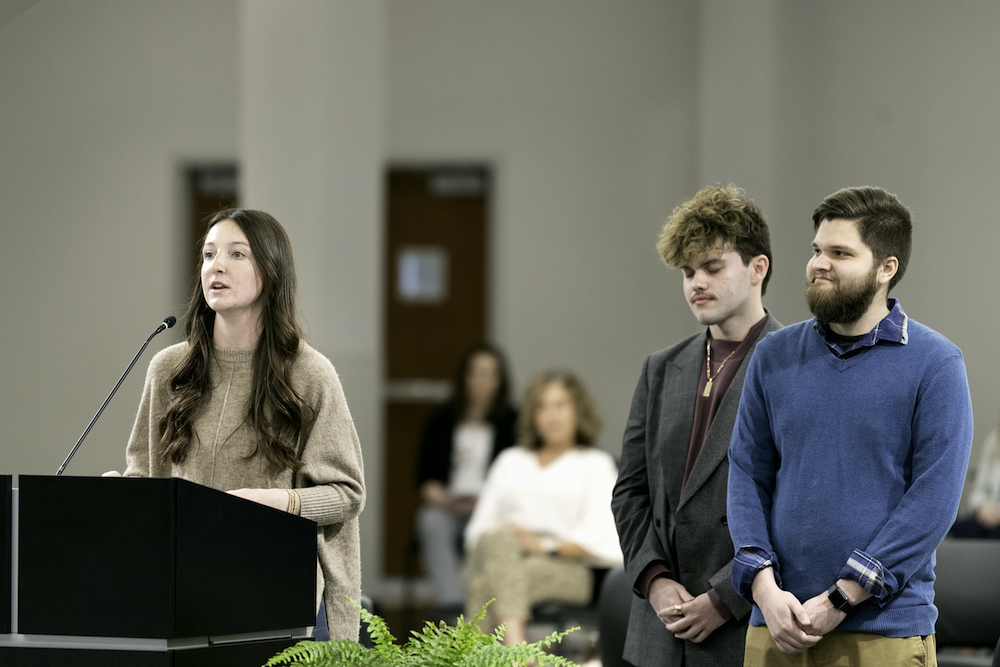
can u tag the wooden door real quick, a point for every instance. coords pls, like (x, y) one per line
(210, 189)
(435, 305)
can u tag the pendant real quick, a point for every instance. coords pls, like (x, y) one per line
(708, 388)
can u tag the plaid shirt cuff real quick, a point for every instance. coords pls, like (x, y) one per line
(747, 563)
(867, 572)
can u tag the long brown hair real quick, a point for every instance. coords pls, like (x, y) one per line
(500, 407)
(275, 411)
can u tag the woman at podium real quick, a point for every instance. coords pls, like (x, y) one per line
(245, 405)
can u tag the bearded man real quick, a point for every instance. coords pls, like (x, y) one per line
(848, 456)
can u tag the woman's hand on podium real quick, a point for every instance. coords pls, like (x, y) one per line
(276, 498)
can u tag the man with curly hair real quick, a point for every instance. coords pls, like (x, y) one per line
(670, 498)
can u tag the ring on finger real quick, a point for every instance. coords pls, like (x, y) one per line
(677, 610)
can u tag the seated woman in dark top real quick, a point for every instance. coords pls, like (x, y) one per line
(459, 443)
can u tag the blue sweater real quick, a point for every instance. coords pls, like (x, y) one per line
(864, 455)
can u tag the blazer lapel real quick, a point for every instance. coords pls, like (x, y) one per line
(680, 385)
(716, 445)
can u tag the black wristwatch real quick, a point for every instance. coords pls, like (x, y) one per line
(838, 598)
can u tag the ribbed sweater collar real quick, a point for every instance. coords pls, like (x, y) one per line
(232, 356)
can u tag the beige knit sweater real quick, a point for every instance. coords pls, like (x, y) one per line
(330, 482)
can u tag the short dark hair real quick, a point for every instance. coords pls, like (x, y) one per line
(883, 222)
(716, 214)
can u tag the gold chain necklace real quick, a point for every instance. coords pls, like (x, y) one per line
(708, 367)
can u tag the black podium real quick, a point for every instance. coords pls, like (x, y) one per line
(5, 527)
(163, 572)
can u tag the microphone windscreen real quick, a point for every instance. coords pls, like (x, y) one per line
(170, 321)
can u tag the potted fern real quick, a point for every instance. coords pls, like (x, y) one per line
(440, 645)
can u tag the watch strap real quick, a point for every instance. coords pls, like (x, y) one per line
(839, 599)
(549, 545)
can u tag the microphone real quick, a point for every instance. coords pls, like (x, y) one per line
(167, 323)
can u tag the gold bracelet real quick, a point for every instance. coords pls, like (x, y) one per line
(291, 501)
(296, 503)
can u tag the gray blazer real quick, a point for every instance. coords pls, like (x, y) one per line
(688, 531)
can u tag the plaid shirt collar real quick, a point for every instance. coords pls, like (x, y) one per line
(891, 329)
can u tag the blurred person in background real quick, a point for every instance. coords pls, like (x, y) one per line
(543, 519)
(984, 494)
(459, 442)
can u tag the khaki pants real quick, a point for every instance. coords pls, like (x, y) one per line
(496, 568)
(843, 649)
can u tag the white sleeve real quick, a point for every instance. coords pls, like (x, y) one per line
(595, 532)
(488, 514)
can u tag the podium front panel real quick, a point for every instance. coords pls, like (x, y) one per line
(5, 534)
(96, 557)
(67, 657)
(250, 654)
(241, 567)
(159, 559)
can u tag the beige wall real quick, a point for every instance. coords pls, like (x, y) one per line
(885, 93)
(100, 105)
(311, 145)
(597, 119)
(585, 112)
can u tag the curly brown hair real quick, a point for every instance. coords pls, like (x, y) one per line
(716, 214)
(588, 421)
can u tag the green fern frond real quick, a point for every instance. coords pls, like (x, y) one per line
(441, 645)
(340, 652)
(436, 645)
(521, 655)
(385, 643)
(303, 650)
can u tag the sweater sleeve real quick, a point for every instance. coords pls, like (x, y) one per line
(942, 440)
(753, 464)
(331, 480)
(137, 451)
(142, 451)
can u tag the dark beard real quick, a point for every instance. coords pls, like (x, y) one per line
(845, 304)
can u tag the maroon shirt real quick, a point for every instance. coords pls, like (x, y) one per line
(705, 408)
(704, 412)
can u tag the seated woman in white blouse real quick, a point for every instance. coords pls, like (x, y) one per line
(544, 514)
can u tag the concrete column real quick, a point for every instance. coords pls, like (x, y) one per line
(311, 114)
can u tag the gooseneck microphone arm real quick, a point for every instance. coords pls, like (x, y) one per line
(167, 323)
